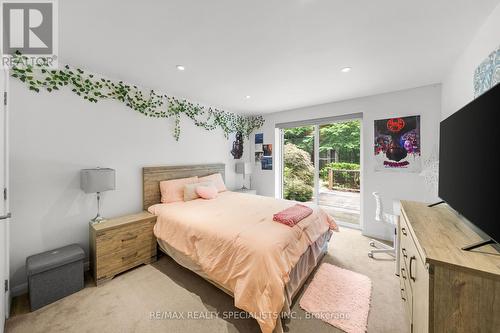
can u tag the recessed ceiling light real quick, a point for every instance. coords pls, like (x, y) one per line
(180, 67)
(346, 69)
(247, 96)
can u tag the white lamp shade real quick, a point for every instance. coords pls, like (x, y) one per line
(244, 168)
(97, 180)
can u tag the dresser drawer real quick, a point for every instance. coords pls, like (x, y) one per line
(409, 250)
(113, 263)
(130, 237)
(405, 290)
(406, 243)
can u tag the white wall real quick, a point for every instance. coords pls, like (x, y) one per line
(458, 85)
(424, 101)
(55, 135)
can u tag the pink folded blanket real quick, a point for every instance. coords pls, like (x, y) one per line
(292, 215)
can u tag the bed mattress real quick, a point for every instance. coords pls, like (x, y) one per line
(233, 242)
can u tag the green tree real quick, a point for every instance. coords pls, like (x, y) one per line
(302, 137)
(343, 137)
(298, 174)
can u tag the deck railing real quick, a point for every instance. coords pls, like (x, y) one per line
(345, 179)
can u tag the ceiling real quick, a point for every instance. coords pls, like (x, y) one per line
(283, 53)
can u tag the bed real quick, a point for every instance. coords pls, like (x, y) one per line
(232, 242)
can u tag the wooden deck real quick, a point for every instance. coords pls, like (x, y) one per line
(343, 206)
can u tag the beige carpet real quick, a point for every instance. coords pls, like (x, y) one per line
(126, 303)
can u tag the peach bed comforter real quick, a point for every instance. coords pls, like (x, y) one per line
(235, 241)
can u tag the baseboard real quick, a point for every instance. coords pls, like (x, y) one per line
(19, 289)
(380, 236)
(22, 288)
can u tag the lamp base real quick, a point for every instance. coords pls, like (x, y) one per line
(97, 219)
(244, 188)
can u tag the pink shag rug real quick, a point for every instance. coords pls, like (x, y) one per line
(339, 297)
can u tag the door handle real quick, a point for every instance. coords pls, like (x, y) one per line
(6, 216)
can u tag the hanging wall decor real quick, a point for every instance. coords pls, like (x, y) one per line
(259, 139)
(149, 103)
(267, 163)
(267, 149)
(487, 74)
(266, 160)
(397, 144)
(237, 150)
(258, 156)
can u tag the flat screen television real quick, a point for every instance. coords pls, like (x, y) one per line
(469, 163)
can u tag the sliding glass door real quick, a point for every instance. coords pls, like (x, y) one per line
(321, 164)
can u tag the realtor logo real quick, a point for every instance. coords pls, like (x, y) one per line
(29, 27)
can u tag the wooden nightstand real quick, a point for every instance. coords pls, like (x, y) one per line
(122, 243)
(246, 190)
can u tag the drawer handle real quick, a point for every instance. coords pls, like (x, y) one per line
(411, 274)
(405, 254)
(130, 238)
(403, 273)
(402, 295)
(403, 231)
(133, 255)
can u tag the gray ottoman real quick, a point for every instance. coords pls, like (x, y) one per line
(54, 274)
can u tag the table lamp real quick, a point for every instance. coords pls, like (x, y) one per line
(244, 168)
(96, 181)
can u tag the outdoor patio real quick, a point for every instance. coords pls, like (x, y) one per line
(344, 206)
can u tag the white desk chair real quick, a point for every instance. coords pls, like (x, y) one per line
(392, 220)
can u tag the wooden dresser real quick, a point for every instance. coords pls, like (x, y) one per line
(444, 288)
(119, 244)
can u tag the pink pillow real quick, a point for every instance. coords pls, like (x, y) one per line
(207, 192)
(190, 190)
(173, 190)
(216, 178)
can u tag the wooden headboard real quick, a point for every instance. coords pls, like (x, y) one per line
(152, 176)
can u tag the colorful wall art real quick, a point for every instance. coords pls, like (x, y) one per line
(263, 152)
(267, 158)
(397, 144)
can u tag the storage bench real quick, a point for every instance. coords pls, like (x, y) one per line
(54, 274)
